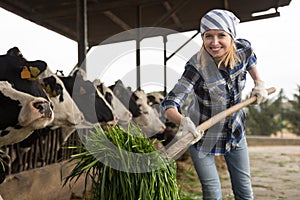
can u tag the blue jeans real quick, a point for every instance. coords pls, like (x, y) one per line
(238, 166)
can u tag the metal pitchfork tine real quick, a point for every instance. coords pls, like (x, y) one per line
(182, 144)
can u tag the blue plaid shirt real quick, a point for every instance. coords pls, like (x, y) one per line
(214, 90)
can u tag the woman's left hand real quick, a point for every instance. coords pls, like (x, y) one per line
(260, 92)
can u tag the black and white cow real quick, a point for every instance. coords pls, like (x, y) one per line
(124, 115)
(19, 109)
(154, 100)
(65, 110)
(88, 99)
(24, 105)
(143, 115)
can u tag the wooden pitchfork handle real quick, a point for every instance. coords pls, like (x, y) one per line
(182, 144)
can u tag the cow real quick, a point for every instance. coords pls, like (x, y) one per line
(143, 114)
(88, 99)
(124, 115)
(24, 104)
(154, 100)
(23, 100)
(21, 114)
(168, 135)
(65, 110)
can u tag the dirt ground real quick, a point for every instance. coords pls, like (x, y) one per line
(275, 172)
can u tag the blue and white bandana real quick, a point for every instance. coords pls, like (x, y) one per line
(218, 19)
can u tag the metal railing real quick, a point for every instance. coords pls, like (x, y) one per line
(43, 147)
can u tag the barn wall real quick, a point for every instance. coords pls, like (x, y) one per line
(41, 183)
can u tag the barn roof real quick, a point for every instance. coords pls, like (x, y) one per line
(109, 17)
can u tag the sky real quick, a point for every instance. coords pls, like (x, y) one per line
(275, 41)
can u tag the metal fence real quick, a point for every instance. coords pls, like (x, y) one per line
(43, 147)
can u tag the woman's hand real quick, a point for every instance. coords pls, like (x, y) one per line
(260, 92)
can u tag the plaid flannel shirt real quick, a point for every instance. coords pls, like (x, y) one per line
(221, 90)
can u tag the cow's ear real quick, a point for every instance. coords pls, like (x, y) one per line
(14, 52)
(34, 71)
(37, 67)
(108, 97)
(48, 89)
(59, 91)
(150, 99)
(100, 87)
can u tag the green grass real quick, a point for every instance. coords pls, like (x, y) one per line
(292, 171)
(104, 148)
(282, 164)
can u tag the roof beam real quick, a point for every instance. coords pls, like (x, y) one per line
(117, 20)
(174, 17)
(226, 4)
(166, 16)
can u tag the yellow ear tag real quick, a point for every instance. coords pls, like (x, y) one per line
(54, 94)
(48, 90)
(34, 71)
(25, 73)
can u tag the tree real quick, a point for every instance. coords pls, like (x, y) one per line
(293, 115)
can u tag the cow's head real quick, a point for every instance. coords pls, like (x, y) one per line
(34, 112)
(122, 112)
(25, 104)
(65, 109)
(89, 100)
(143, 114)
(149, 120)
(26, 70)
(127, 97)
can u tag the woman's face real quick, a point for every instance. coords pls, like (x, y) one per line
(216, 43)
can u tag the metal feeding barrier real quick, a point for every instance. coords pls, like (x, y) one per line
(43, 147)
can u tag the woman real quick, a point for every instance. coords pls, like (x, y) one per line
(216, 76)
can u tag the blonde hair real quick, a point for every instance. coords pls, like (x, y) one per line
(230, 58)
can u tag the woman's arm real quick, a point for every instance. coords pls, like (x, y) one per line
(178, 94)
(173, 115)
(254, 74)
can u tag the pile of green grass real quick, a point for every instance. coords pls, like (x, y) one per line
(124, 165)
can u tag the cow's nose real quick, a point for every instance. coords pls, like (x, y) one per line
(114, 121)
(162, 129)
(44, 108)
(130, 116)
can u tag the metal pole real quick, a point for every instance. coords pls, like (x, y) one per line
(138, 53)
(165, 64)
(82, 32)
